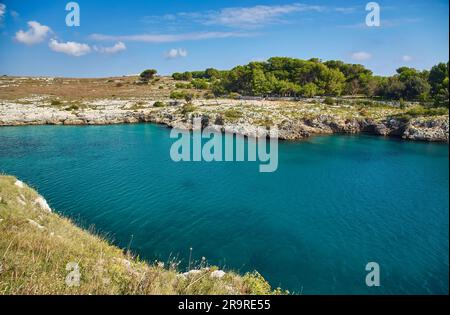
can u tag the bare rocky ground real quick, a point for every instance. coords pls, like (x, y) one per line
(40, 101)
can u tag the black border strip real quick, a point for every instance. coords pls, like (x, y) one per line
(150, 304)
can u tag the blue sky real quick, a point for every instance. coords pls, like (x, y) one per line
(125, 37)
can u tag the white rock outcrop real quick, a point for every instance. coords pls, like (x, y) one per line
(191, 273)
(218, 274)
(42, 203)
(19, 184)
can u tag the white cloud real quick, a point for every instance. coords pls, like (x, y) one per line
(166, 38)
(255, 16)
(111, 50)
(169, 17)
(69, 48)
(361, 56)
(35, 34)
(345, 10)
(238, 17)
(407, 58)
(2, 11)
(176, 53)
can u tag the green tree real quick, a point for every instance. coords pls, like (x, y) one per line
(185, 76)
(285, 76)
(438, 79)
(416, 86)
(148, 74)
(260, 84)
(334, 82)
(212, 73)
(200, 84)
(309, 90)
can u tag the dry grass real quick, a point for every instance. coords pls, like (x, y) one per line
(75, 89)
(36, 246)
(12, 88)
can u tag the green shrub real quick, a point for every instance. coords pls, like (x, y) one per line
(208, 95)
(200, 84)
(73, 107)
(159, 104)
(265, 122)
(177, 95)
(180, 85)
(421, 111)
(56, 103)
(234, 95)
(329, 101)
(188, 108)
(232, 114)
(256, 283)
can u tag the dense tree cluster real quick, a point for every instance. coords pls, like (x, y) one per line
(282, 76)
(208, 74)
(438, 80)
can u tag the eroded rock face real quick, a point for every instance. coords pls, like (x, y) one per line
(427, 130)
(291, 130)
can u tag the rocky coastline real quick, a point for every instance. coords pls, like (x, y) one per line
(246, 118)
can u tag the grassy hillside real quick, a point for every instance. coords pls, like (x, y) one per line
(79, 90)
(39, 250)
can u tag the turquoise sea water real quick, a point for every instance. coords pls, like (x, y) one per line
(335, 204)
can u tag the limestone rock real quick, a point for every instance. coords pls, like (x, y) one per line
(19, 184)
(42, 203)
(218, 274)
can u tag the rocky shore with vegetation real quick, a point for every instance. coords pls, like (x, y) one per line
(164, 100)
(294, 119)
(42, 252)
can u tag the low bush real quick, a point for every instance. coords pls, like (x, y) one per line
(421, 111)
(329, 101)
(72, 107)
(177, 95)
(159, 104)
(180, 85)
(56, 103)
(234, 96)
(200, 84)
(232, 114)
(188, 108)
